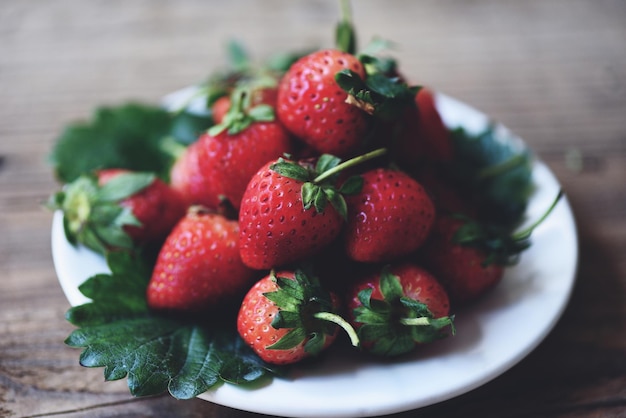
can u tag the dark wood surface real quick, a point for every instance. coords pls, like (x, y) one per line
(554, 71)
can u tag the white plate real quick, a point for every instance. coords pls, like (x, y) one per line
(492, 336)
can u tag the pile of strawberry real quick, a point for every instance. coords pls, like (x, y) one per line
(322, 198)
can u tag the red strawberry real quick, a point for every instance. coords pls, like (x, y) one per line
(463, 269)
(291, 210)
(469, 257)
(118, 209)
(220, 108)
(398, 308)
(198, 266)
(157, 208)
(276, 227)
(391, 217)
(313, 106)
(421, 134)
(219, 164)
(286, 317)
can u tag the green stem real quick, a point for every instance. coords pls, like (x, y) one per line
(422, 321)
(499, 169)
(346, 11)
(350, 163)
(336, 319)
(529, 229)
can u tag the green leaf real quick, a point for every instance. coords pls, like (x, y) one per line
(238, 57)
(291, 169)
(336, 199)
(294, 337)
(188, 126)
(390, 286)
(124, 185)
(496, 172)
(326, 162)
(127, 136)
(262, 113)
(352, 186)
(118, 332)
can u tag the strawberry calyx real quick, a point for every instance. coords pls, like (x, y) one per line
(308, 311)
(394, 325)
(92, 214)
(501, 246)
(319, 182)
(379, 94)
(241, 114)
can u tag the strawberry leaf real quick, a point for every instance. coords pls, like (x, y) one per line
(496, 172)
(118, 332)
(124, 185)
(129, 136)
(290, 169)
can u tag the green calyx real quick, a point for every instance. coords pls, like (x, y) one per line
(379, 94)
(241, 114)
(396, 324)
(92, 215)
(307, 310)
(319, 182)
(501, 246)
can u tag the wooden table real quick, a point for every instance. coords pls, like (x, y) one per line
(554, 71)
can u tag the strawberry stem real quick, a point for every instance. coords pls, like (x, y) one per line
(498, 169)
(422, 321)
(336, 319)
(345, 38)
(350, 163)
(525, 233)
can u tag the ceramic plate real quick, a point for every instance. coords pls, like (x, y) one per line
(492, 336)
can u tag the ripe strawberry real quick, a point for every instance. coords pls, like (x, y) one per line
(285, 215)
(218, 166)
(118, 209)
(469, 258)
(286, 317)
(397, 308)
(313, 107)
(391, 217)
(198, 266)
(463, 269)
(157, 208)
(421, 134)
(277, 225)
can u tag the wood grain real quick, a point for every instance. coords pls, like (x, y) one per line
(554, 71)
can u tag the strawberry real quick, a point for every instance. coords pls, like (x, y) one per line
(285, 215)
(157, 208)
(391, 217)
(462, 268)
(218, 166)
(313, 107)
(398, 308)
(198, 266)
(469, 258)
(118, 209)
(421, 134)
(287, 316)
